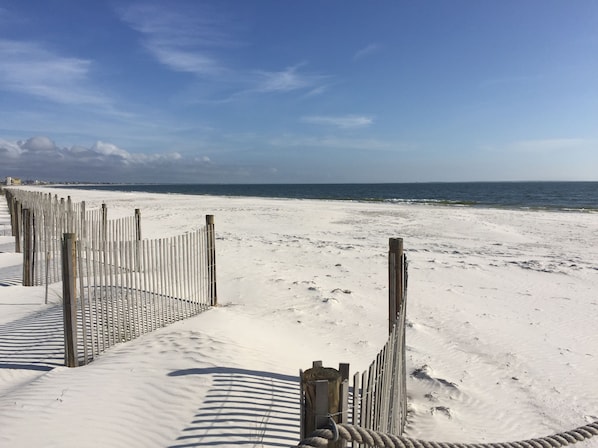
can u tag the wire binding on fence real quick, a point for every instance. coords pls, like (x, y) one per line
(351, 433)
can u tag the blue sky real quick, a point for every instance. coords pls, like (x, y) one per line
(299, 91)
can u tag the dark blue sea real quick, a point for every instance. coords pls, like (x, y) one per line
(564, 196)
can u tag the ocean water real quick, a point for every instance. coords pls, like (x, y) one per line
(565, 196)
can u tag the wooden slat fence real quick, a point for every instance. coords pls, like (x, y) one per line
(129, 288)
(39, 221)
(116, 286)
(377, 399)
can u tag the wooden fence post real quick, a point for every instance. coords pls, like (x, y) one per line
(83, 222)
(395, 280)
(104, 222)
(28, 247)
(17, 229)
(70, 224)
(138, 239)
(69, 298)
(321, 399)
(211, 248)
(343, 405)
(11, 210)
(10, 201)
(138, 224)
(355, 417)
(63, 216)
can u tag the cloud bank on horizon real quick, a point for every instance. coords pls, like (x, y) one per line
(221, 91)
(101, 162)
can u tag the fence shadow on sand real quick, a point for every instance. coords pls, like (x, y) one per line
(244, 407)
(33, 342)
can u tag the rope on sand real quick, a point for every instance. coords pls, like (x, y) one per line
(351, 433)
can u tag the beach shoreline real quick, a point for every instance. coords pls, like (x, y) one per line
(501, 314)
(561, 196)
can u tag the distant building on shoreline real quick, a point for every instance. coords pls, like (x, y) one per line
(13, 181)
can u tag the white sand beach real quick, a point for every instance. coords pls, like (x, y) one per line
(502, 340)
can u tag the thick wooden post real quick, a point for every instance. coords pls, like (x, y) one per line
(28, 248)
(395, 280)
(211, 248)
(138, 239)
(321, 390)
(69, 299)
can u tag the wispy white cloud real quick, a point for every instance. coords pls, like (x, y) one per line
(260, 82)
(342, 122)
(180, 39)
(366, 51)
(185, 61)
(30, 68)
(193, 39)
(334, 142)
(551, 145)
(286, 80)
(193, 25)
(319, 90)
